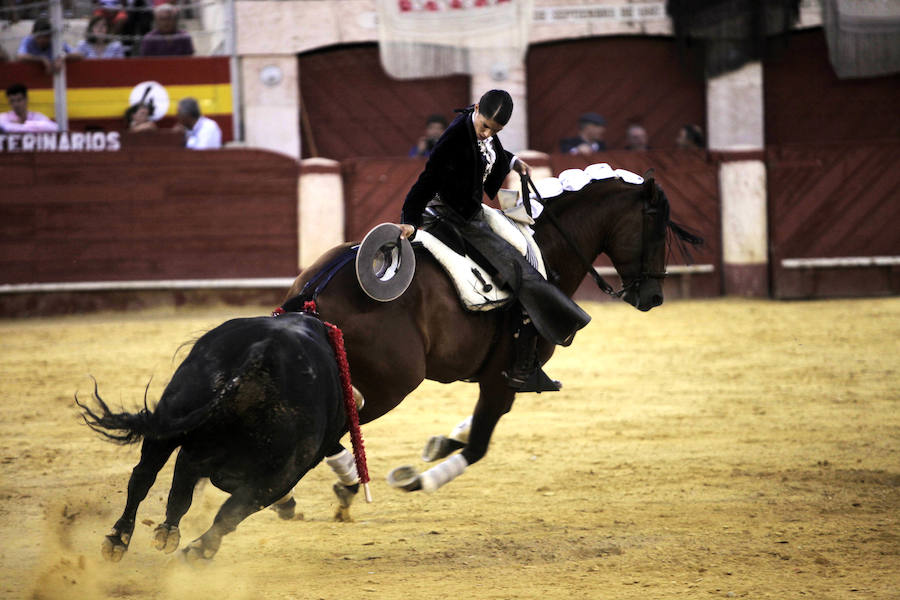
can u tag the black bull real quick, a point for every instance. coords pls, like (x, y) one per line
(255, 405)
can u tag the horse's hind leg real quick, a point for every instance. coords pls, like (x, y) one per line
(167, 536)
(494, 401)
(153, 456)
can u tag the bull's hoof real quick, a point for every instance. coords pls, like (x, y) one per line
(115, 545)
(345, 495)
(342, 515)
(197, 551)
(405, 478)
(438, 447)
(285, 510)
(166, 538)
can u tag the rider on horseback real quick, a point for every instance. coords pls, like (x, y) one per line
(465, 163)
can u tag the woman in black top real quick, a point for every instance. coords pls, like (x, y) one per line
(467, 162)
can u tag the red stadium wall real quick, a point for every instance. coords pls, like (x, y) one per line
(805, 102)
(146, 215)
(833, 162)
(833, 209)
(351, 107)
(151, 213)
(622, 78)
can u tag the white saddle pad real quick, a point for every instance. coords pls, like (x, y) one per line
(477, 289)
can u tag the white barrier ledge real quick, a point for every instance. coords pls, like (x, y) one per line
(163, 284)
(840, 262)
(218, 284)
(671, 270)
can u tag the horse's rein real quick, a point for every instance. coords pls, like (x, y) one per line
(604, 286)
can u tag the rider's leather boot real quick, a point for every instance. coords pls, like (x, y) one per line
(526, 374)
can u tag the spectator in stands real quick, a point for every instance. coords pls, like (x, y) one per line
(636, 137)
(98, 43)
(37, 47)
(591, 130)
(137, 118)
(434, 128)
(166, 39)
(21, 119)
(201, 133)
(113, 13)
(139, 24)
(690, 136)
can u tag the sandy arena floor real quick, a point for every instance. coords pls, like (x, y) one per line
(707, 449)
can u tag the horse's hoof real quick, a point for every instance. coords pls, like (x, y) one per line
(405, 478)
(166, 538)
(436, 448)
(285, 510)
(114, 546)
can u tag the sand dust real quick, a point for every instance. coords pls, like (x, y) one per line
(707, 449)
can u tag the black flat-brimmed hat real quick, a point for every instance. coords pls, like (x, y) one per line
(385, 263)
(592, 118)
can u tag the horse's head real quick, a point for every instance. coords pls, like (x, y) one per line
(638, 246)
(628, 222)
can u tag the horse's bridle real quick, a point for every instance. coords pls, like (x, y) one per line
(605, 287)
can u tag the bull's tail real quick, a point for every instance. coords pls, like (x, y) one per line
(130, 428)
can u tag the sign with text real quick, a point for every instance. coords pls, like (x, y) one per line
(61, 141)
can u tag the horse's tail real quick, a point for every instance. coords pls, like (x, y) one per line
(130, 428)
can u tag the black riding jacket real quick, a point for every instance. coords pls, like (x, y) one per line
(455, 171)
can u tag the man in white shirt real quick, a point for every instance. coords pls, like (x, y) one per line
(21, 119)
(201, 133)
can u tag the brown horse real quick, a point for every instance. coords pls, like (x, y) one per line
(426, 333)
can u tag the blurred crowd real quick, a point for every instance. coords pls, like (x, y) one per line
(589, 139)
(115, 29)
(592, 133)
(200, 132)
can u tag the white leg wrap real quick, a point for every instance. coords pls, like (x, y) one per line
(443, 473)
(344, 466)
(460, 433)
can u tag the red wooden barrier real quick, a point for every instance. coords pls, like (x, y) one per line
(835, 201)
(147, 215)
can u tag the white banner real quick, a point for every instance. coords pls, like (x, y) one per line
(431, 38)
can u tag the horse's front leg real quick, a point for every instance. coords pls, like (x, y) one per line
(495, 400)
